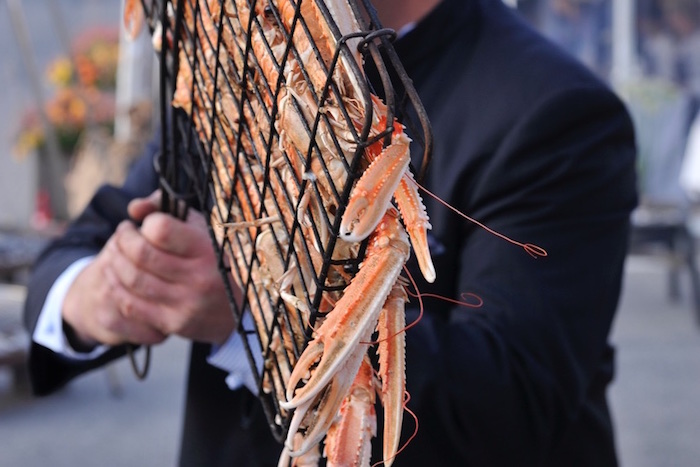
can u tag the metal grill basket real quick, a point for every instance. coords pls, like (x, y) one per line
(274, 208)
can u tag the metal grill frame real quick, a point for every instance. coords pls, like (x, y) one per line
(188, 174)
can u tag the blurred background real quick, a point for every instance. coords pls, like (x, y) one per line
(78, 104)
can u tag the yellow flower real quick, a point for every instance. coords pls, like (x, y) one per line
(27, 141)
(60, 72)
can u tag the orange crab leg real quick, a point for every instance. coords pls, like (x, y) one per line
(372, 193)
(388, 174)
(309, 459)
(133, 17)
(349, 437)
(392, 368)
(316, 415)
(355, 312)
(416, 220)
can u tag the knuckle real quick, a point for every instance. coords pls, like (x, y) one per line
(171, 322)
(162, 328)
(133, 279)
(174, 321)
(142, 253)
(128, 307)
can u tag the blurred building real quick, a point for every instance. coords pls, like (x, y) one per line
(649, 50)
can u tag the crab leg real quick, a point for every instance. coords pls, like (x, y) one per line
(316, 415)
(373, 191)
(133, 18)
(349, 437)
(309, 459)
(357, 310)
(392, 367)
(417, 223)
(388, 174)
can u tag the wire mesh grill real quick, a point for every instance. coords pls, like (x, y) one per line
(259, 133)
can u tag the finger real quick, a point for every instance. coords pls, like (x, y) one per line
(142, 282)
(126, 323)
(140, 318)
(196, 219)
(130, 243)
(139, 208)
(188, 239)
(129, 331)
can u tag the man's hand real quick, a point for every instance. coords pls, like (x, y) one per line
(151, 282)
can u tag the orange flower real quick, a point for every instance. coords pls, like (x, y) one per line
(87, 71)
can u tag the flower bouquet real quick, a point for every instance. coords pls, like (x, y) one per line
(83, 86)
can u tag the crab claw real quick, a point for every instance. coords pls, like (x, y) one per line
(372, 193)
(349, 437)
(388, 174)
(309, 459)
(316, 415)
(356, 311)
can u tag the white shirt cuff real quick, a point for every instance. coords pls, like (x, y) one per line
(49, 327)
(232, 358)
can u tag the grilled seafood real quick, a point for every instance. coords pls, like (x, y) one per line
(276, 94)
(133, 17)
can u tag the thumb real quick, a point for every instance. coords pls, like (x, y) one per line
(139, 208)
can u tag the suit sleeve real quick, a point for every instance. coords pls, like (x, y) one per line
(84, 237)
(506, 380)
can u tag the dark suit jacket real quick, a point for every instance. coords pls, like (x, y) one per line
(528, 142)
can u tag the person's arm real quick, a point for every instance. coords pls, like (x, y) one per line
(505, 381)
(128, 275)
(50, 331)
(147, 283)
(151, 281)
(84, 237)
